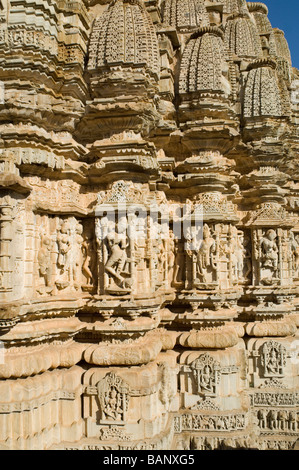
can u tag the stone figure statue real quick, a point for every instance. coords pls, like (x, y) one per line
(269, 250)
(273, 358)
(204, 257)
(64, 246)
(206, 373)
(113, 395)
(294, 246)
(239, 251)
(281, 417)
(44, 259)
(149, 226)
(113, 406)
(171, 257)
(262, 419)
(179, 266)
(273, 362)
(292, 421)
(206, 378)
(70, 257)
(117, 246)
(88, 267)
(272, 419)
(247, 259)
(76, 266)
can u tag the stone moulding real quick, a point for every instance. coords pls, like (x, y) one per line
(144, 351)
(36, 360)
(137, 352)
(280, 328)
(221, 339)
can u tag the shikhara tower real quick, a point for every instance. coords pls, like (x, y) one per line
(117, 333)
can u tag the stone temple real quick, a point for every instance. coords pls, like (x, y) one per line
(149, 229)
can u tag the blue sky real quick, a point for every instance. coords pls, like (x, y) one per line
(284, 14)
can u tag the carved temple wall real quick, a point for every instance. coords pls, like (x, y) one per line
(149, 228)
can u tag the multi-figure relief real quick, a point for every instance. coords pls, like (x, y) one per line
(135, 248)
(148, 222)
(294, 254)
(218, 260)
(212, 422)
(61, 253)
(277, 420)
(211, 256)
(274, 246)
(275, 256)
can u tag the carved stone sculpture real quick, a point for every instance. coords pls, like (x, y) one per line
(149, 226)
(205, 255)
(206, 373)
(44, 260)
(113, 396)
(273, 359)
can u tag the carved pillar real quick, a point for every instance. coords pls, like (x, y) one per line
(6, 237)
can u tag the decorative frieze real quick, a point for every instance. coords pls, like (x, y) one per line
(209, 422)
(274, 399)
